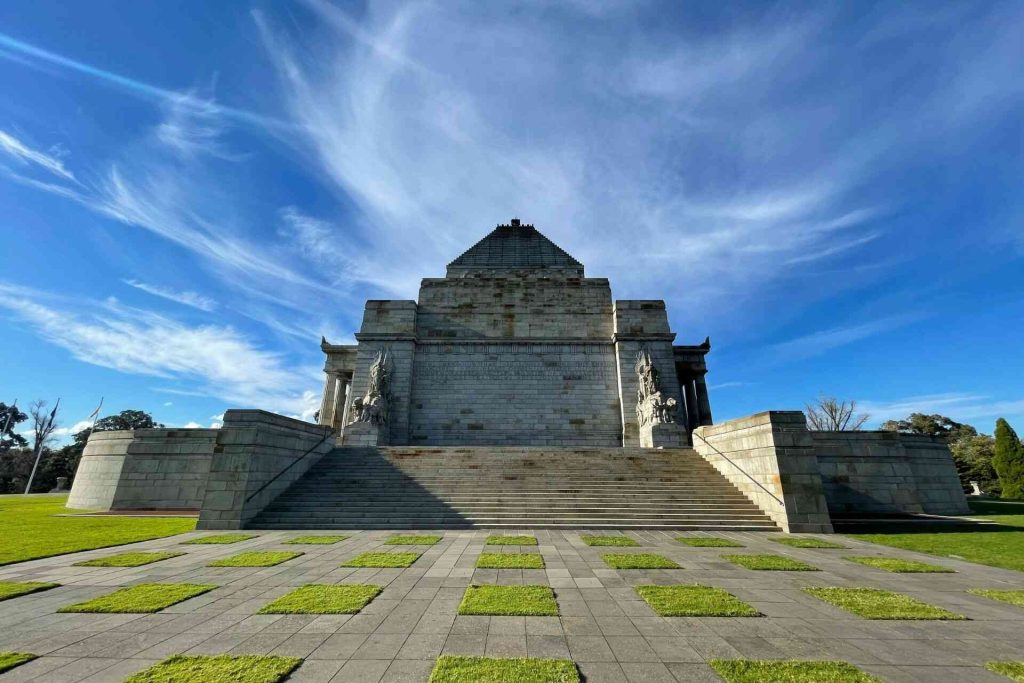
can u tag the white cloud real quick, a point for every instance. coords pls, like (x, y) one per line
(192, 425)
(193, 299)
(168, 404)
(962, 407)
(823, 341)
(63, 432)
(206, 360)
(25, 154)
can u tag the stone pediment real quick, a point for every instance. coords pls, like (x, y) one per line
(515, 247)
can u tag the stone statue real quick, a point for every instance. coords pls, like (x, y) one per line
(373, 406)
(651, 406)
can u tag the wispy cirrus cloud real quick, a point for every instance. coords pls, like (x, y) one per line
(207, 360)
(193, 299)
(17, 149)
(960, 406)
(823, 341)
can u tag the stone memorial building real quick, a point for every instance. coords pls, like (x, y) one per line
(516, 392)
(515, 346)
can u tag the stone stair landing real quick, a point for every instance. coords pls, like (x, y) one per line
(512, 487)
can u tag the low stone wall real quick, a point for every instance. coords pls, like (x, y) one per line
(770, 457)
(144, 469)
(254, 448)
(879, 472)
(229, 474)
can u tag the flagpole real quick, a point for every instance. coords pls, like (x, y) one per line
(39, 445)
(95, 416)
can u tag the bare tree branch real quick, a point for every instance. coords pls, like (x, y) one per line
(830, 414)
(42, 425)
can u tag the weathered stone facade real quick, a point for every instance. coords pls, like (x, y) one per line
(515, 346)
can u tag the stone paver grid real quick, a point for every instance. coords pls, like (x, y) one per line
(603, 624)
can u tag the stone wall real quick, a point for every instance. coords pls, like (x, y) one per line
(516, 393)
(770, 457)
(253, 448)
(144, 469)
(880, 472)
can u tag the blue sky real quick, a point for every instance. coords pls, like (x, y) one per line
(192, 193)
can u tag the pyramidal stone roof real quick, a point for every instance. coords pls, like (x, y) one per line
(515, 246)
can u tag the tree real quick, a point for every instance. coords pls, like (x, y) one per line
(930, 425)
(43, 424)
(972, 455)
(830, 414)
(1008, 460)
(11, 417)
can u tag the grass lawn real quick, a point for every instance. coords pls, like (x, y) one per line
(9, 660)
(770, 563)
(318, 599)
(316, 540)
(30, 530)
(791, 671)
(219, 539)
(1012, 670)
(383, 560)
(412, 540)
(511, 540)
(1012, 597)
(218, 669)
(529, 601)
(612, 541)
(708, 542)
(998, 545)
(450, 669)
(638, 561)
(141, 599)
(510, 561)
(798, 542)
(256, 559)
(874, 603)
(891, 564)
(14, 589)
(127, 560)
(694, 601)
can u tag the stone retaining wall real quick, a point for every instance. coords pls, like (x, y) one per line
(770, 457)
(878, 472)
(144, 469)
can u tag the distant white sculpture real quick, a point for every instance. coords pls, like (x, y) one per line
(976, 489)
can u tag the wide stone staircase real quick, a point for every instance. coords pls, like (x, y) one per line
(512, 487)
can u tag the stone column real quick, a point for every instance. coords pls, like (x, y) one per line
(329, 400)
(346, 399)
(703, 402)
(692, 409)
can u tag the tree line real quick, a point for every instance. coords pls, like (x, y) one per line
(995, 462)
(18, 454)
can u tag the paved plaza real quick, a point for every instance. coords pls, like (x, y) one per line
(603, 625)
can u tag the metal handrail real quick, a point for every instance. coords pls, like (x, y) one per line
(745, 473)
(290, 465)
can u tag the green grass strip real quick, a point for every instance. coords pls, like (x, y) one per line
(316, 540)
(218, 669)
(770, 563)
(141, 599)
(412, 540)
(127, 560)
(808, 542)
(9, 660)
(383, 560)
(708, 542)
(875, 603)
(788, 671)
(14, 589)
(897, 566)
(530, 601)
(510, 561)
(256, 559)
(511, 540)
(638, 561)
(220, 539)
(610, 541)
(320, 599)
(694, 601)
(1012, 670)
(1014, 597)
(452, 669)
